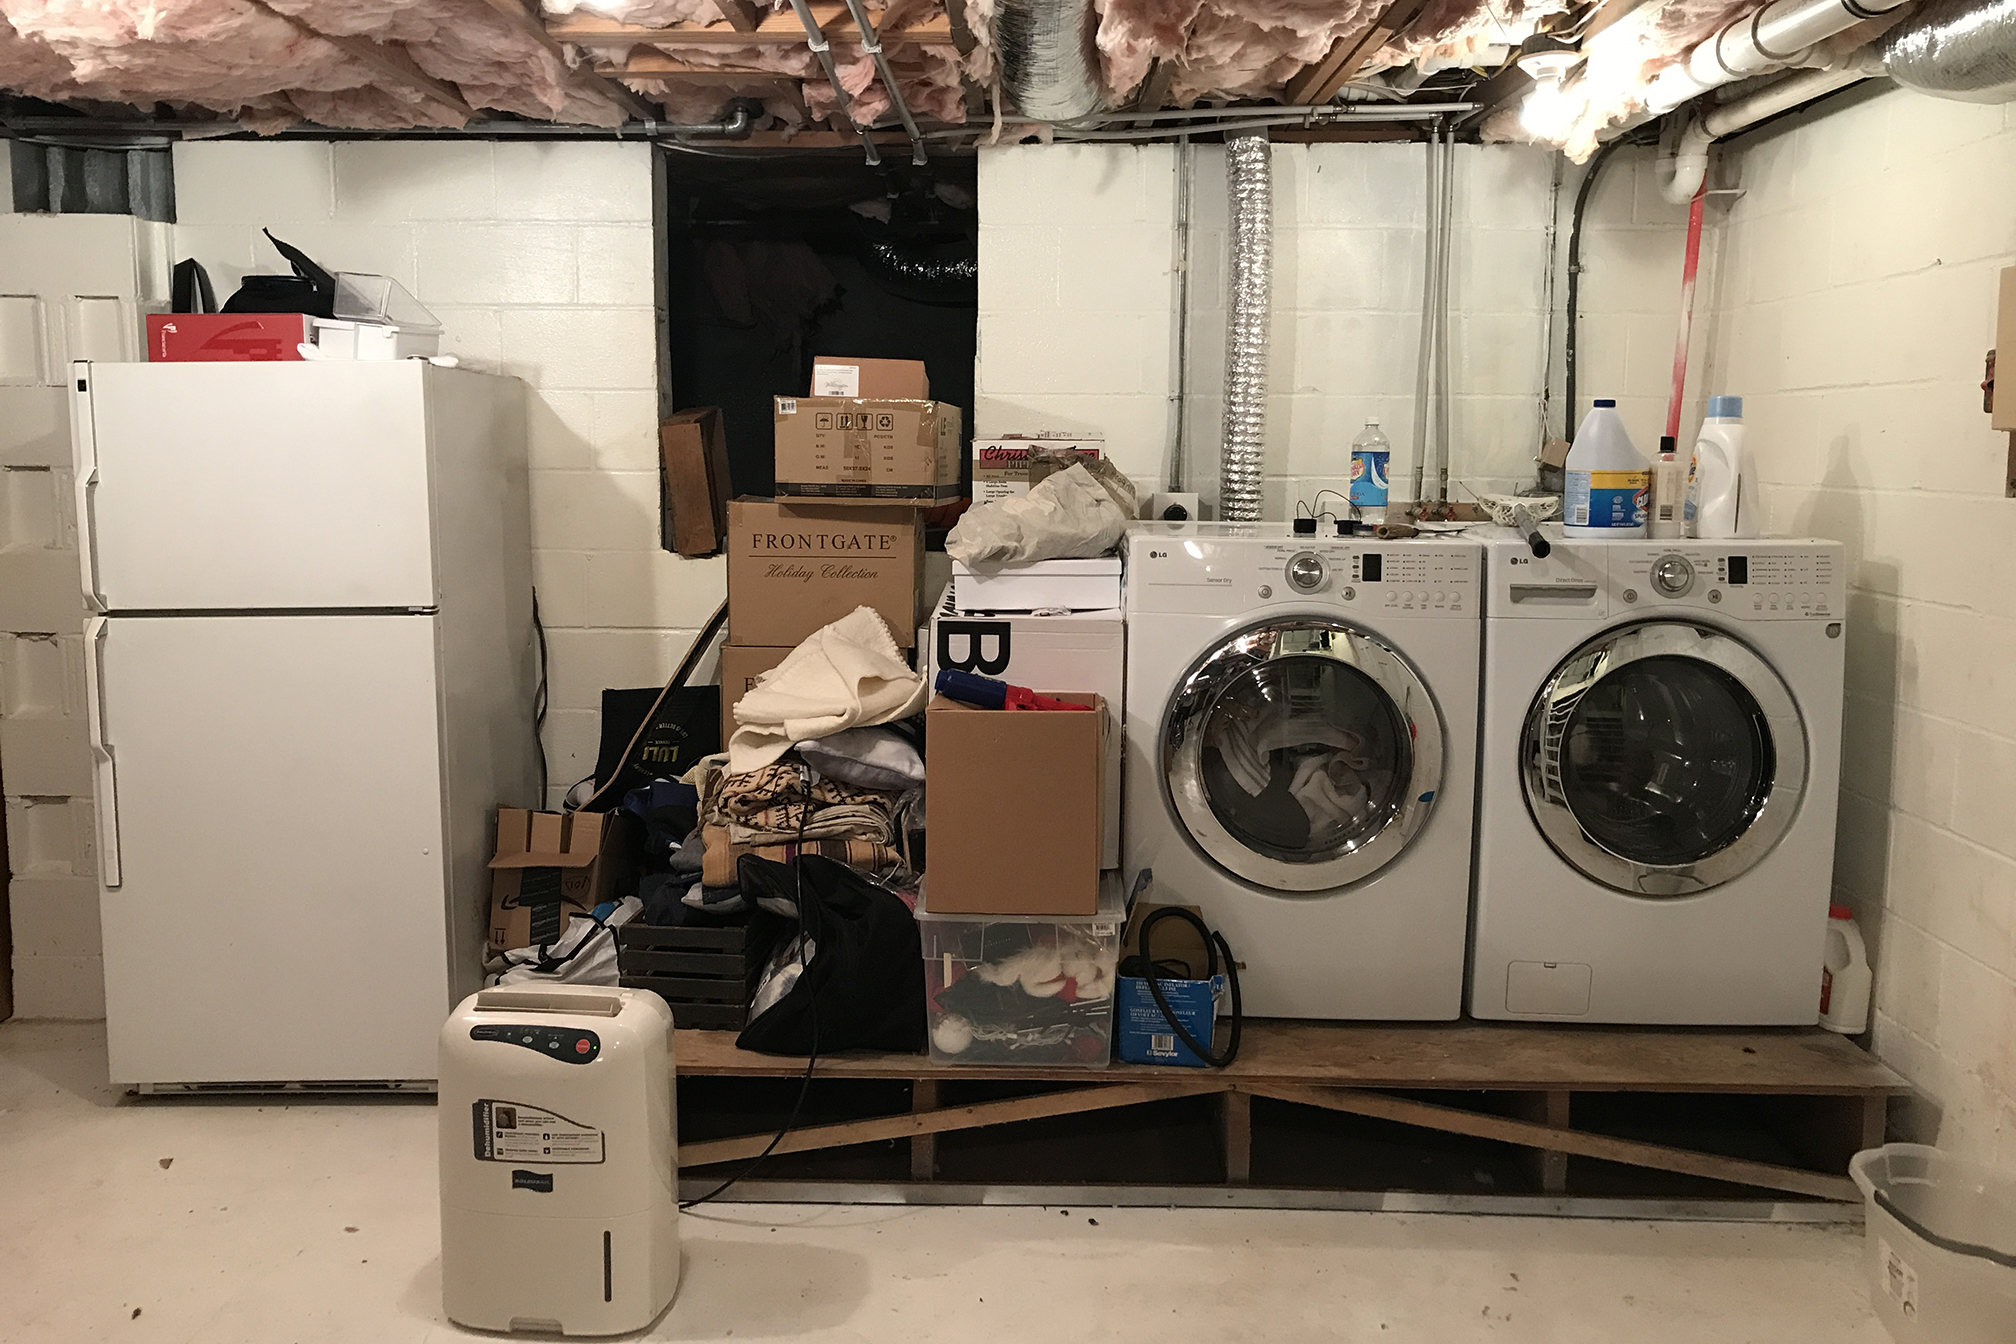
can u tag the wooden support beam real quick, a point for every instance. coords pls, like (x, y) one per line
(528, 23)
(1319, 83)
(924, 1147)
(1549, 1166)
(1100, 1097)
(1235, 1133)
(741, 14)
(388, 61)
(779, 29)
(1631, 1152)
(962, 27)
(649, 65)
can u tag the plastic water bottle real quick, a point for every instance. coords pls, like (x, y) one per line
(1371, 459)
(1609, 481)
(1845, 977)
(1721, 482)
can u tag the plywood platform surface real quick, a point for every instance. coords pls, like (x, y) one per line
(1798, 1061)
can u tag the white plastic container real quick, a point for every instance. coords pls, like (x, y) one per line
(1722, 482)
(1039, 585)
(1022, 989)
(1941, 1245)
(1845, 978)
(1608, 480)
(1668, 519)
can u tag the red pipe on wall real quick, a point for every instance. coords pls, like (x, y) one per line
(1687, 275)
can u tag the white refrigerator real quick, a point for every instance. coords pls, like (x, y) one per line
(310, 672)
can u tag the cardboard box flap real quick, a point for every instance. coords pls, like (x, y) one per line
(547, 839)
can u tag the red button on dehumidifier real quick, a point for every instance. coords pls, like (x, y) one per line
(580, 1047)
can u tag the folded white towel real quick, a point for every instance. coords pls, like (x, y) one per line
(848, 675)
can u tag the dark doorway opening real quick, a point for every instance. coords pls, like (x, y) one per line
(772, 261)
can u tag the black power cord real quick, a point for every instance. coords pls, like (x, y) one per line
(539, 699)
(1582, 195)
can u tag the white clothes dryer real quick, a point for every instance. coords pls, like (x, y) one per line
(1661, 753)
(1300, 749)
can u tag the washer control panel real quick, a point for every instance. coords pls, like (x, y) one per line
(1748, 580)
(1401, 578)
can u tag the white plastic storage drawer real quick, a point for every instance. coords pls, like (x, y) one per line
(1022, 989)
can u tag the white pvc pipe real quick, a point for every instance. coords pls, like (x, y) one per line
(1782, 33)
(1683, 165)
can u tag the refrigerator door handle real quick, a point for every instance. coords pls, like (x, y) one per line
(84, 452)
(105, 772)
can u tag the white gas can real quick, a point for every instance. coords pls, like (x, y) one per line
(559, 1162)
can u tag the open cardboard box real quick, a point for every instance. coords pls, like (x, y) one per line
(551, 867)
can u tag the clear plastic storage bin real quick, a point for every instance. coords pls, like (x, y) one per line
(1941, 1245)
(1022, 989)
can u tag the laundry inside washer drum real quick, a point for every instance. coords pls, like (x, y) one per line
(1666, 761)
(1303, 758)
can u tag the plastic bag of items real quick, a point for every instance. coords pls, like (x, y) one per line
(1072, 515)
(584, 955)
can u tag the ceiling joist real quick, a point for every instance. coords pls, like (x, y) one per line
(782, 29)
(1319, 83)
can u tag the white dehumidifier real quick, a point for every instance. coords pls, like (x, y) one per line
(559, 1161)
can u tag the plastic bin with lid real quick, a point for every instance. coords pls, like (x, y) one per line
(1022, 989)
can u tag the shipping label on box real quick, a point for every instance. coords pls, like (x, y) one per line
(886, 379)
(794, 567)
(856, 449)
(1001, 466)
(1081, 652)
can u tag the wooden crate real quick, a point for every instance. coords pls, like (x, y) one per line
(705, 976)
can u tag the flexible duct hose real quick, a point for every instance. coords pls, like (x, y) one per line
(1049, 57)
(1961, 49)
(1249, 181)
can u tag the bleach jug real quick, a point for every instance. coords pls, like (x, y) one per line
(1371, 456)
(1845, 978)
(1609, 480)
(1721, 483)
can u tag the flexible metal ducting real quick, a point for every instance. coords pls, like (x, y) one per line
(1049, 57)
(1961, 49)
(1249, 182)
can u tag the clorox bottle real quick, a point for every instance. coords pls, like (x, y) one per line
(1609, 480)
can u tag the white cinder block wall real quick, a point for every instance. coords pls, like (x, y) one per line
(1078, 335)
(1856, 303)
(538, 260)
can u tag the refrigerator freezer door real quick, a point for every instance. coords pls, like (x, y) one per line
(228, 487)
(280, 909)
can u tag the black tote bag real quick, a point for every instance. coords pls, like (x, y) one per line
(865, 982)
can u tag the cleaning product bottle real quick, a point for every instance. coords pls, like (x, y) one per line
(1371, 456)
(1608, 479)
(1669, 493)
(1844, 975)
(1721, 486)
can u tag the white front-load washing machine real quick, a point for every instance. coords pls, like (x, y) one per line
(1661, 750)
(1300, 747)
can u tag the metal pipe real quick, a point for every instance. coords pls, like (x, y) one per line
(1249, 182)
(1424, 358)
(735, 126)
(1320, 111)
(1682, 165)
(816, 39)
(1448, 231)
(1179, 451)
(871, 43)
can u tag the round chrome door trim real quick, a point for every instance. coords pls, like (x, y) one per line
(1553, 710)
(1198, 694)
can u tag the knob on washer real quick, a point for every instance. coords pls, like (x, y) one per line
(1672, 575)
(1306, 572)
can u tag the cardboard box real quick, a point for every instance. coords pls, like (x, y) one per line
(1013, 799)
(1085, 651)
(1001, 466)
(794, 567)
(181, 337)
(883, 379)
(1039, 585)
(553, 866)
(853, 449)
(693, 481)
(740, 667)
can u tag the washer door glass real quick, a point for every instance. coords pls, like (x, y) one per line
(1296, 755)
(1664, 759)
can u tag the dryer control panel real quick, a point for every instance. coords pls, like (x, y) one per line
(1394, 578)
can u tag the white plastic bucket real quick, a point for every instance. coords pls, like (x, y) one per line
(1941, 1250)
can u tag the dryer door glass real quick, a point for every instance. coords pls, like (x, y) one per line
(1664, 759)
(1297, 756)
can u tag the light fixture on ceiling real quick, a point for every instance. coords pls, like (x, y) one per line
(1547, 111)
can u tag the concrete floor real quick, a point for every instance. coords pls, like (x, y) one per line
(241, 1220)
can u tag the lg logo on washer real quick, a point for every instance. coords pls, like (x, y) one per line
(985, 650)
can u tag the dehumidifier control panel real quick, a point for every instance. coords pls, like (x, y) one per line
(569, 1045)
